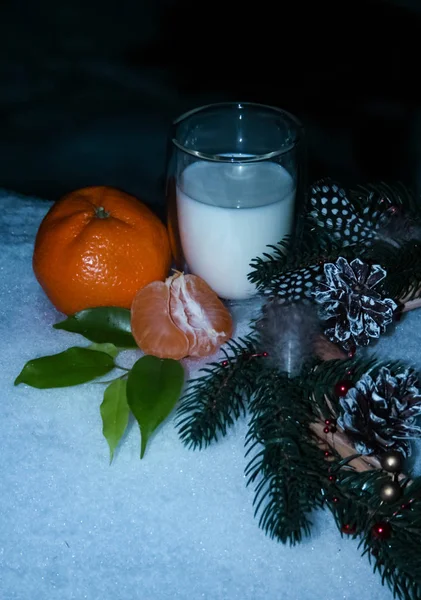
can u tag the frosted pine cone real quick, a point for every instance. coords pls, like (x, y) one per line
(378, 414)
(355, 311)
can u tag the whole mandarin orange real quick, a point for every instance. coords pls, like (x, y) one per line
(98, 246)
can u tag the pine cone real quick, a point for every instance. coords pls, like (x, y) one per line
(354, 310)
(378, 414)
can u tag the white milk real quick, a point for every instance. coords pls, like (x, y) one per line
(227, 215)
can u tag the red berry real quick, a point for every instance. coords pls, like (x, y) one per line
(349, 529)
(342, 387)
(381, 530)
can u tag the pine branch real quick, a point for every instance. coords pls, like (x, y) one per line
(321, 377)
(215, 400)
(403, 265)
(358, 502)
(359, 505)
(398, 562)
(374, 197)
(315, 246)
(398, 245)
(265, 268)
(286, 466)
(275, 274)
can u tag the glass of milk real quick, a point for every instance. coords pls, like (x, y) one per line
(235, 174)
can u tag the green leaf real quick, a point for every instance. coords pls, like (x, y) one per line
(107, 348)
(153, 387)
(71, 367)
(114, 413)
(101, 324)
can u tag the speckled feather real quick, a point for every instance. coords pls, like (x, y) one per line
(350, 219)
(331, 209)
(295, 284)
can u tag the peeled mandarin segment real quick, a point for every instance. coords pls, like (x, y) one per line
(200, 314)
(152, 327)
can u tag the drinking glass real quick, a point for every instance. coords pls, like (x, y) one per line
(235, 185)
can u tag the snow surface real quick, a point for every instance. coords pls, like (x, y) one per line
(177, 525)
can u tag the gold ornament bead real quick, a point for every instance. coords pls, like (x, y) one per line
(392, 461)
(390, 492)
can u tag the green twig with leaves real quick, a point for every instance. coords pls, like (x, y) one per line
(148, 390)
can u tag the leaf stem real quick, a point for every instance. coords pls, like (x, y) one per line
(122, 368)
(109, 380)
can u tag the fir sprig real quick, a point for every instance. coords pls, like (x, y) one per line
(402, 262)
(268, 266)
(397, 559)
(374, 197)
(359, 502)
(215, 400)
(274, 269)
(285, 467)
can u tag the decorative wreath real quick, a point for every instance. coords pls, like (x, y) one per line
(329, 425)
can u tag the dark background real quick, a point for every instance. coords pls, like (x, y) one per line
(89, 88)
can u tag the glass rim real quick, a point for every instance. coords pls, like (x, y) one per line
(236, 159)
